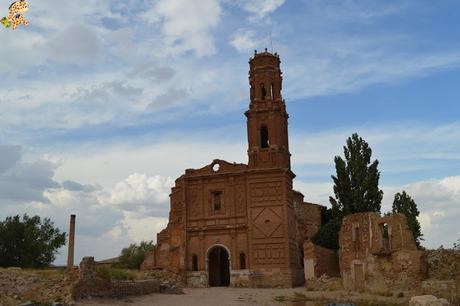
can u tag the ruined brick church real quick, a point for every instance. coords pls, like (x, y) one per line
(242, 224)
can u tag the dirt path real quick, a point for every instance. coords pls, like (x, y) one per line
(218, 296)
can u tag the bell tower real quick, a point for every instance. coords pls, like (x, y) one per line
(267, 119)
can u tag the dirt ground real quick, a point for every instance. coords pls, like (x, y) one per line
(220, 296)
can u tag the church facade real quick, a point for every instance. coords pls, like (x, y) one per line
(242, 224)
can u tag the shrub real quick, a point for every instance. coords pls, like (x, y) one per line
(133, 256)
(113, 273)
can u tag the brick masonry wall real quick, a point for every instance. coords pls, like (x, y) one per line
(445, 289)
(89, 285)
(443, 264)
(319, 261)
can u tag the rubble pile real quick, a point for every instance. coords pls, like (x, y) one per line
(17, 286)
(165, 276)
(324, 283)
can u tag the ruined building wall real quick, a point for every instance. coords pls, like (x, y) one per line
(379, 255)
(312, 217)
(319, 260)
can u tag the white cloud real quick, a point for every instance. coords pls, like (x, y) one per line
(109, 165)
(139, 190)
(261, 8)
(143, 228)
(344, 65)
(186, 25)
(317, 193)
(439, 205)
(244, 40)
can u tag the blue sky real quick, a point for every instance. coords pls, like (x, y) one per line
(104, 104)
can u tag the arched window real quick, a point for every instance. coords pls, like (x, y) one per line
(242, 261)
(194, 263)
(264, 137)
(263, 92)
(272, 91)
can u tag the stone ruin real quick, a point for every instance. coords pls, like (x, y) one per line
(244, 225)
(90, 285)
(379, 254)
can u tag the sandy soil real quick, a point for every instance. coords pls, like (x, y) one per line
(219, 296)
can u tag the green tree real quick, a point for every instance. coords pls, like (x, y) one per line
(404, 204)
(328, 234)
(356, 189)
(356, 184)
(29, 243)
(133, 256)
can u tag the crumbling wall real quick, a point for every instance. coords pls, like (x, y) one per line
(443, 273)
(379, 255)
(312, 217)
(319, 260)
(90, 285)
(149, 260)
(169, 250)
(443, 264)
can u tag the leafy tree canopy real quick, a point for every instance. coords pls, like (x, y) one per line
(405, 205)
(133, 256)
(356, 184)
(356, 189)
(328, 235)
(29, 242)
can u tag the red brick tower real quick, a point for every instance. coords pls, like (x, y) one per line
(274, 254)
(267, 119)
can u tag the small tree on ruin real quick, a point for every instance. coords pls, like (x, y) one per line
(405, 205)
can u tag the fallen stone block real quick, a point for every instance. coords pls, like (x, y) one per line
(428, 300)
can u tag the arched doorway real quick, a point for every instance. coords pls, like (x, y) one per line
(219, 268)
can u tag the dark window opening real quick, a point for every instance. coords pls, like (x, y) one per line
(385, 237)
(264, 137)
(242, 261)
(272, 91)
(301, 257)
(263, 92)
(355, 236)
(216, 201)
(194, 263)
